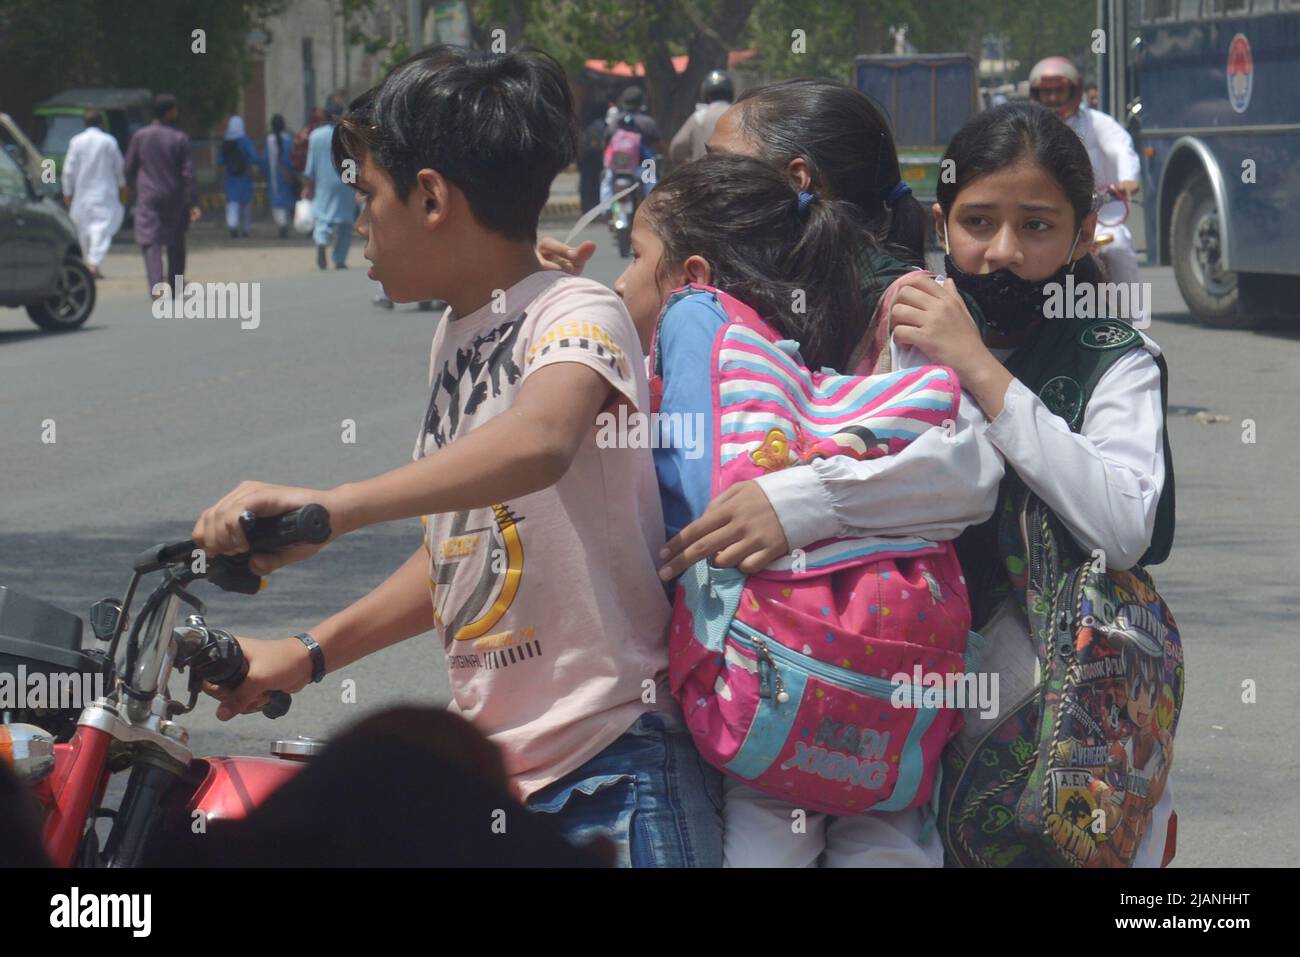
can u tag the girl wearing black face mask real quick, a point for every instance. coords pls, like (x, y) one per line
(1074, 405)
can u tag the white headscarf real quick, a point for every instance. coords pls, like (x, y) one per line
(235, 128)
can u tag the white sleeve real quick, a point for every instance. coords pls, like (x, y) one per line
(1105, 481)
(936, 487)
(117, 163)
(1118, 145)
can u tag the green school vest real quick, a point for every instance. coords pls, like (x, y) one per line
(1061, 366)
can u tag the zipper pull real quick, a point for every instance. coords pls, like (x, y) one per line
(782, 696)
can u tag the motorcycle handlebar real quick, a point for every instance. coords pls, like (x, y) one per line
(221, 661)
(307, 525)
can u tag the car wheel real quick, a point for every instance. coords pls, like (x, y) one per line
(1209, 290)
(71, 306)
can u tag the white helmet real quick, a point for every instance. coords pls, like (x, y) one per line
(1057, 72)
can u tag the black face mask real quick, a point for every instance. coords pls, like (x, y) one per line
(1010, 304)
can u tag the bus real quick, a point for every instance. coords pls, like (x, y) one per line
(1210, 91)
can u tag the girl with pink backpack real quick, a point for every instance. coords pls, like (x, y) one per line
(798, 681)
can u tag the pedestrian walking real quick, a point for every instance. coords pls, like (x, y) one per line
(92, 182)
(333, 203)
(239, 158)
(281, 178)
(160, 171)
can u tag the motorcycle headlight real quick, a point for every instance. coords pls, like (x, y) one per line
(27, 749)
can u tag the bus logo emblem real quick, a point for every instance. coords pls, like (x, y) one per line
(1241, 73)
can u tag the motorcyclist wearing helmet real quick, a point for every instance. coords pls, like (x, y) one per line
(618, 146)
(1056, 84)
(632, 103)
(716, 94)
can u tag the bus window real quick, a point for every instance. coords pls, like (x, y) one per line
(1263, 6)
(1224, 8)
(1189, 9)
(1156, 11)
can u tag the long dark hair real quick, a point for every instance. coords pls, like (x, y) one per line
(743, 216)
(846, 141)
(1014, 133)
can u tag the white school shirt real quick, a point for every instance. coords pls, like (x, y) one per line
(1103, 482)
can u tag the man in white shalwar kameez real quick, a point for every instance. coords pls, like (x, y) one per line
(1055, 83)
(92, 184)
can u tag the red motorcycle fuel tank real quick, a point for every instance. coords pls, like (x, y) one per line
(233, 786)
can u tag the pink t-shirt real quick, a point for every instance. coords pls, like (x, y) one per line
(550, 610)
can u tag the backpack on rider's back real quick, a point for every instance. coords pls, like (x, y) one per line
(623, 154)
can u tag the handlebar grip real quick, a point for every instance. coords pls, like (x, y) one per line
(224, 664)
(278, 704)
(307, 525)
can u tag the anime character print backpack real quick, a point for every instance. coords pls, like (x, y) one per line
(808, 680)
(1069, 774)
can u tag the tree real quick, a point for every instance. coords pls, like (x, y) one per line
(835, 31)
(47, 47)
(650, 32)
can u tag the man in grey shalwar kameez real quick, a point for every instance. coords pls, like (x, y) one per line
(160, 170)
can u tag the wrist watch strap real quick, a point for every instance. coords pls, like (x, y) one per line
(317, 656)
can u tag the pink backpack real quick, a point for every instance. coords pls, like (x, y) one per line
(623, 155)
(786, 677)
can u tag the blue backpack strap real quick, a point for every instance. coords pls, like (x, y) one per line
(713, 595)
(684, 400)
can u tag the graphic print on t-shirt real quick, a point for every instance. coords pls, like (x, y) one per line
(476, 572)
(457, 392)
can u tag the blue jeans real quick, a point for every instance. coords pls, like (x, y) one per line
(342, 235)
(649, 792)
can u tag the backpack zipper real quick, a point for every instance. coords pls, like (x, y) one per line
(749, 638)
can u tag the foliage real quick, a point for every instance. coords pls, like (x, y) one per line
(47, 47)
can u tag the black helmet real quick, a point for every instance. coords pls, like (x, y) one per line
(632, 98)
(717, 86)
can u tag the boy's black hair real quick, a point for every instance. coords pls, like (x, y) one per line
(500, 126)
(742, 215)
(1012, 133)
(846, 141)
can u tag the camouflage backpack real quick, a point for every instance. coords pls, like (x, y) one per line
(1069, 773)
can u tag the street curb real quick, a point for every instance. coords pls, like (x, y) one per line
(561, 209)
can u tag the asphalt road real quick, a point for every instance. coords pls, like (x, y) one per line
(155, 419)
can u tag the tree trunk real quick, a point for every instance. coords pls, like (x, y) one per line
(673, 95)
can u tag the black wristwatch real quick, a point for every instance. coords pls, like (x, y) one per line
(317, 656)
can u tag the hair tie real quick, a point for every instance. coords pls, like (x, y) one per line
(900, 190)
(805, 200)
